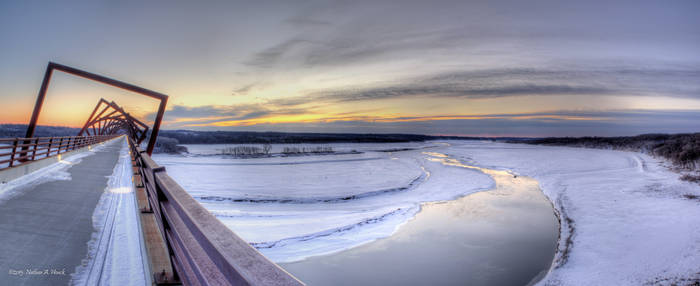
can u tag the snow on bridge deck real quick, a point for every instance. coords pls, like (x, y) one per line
(46, 223)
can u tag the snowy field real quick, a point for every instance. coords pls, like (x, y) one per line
(625, 218)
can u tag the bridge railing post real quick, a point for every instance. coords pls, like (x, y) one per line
(14, 149)
(36, 143)
(60, 145)
(48, 154)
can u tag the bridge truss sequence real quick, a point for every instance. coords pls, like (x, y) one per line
(186, 244)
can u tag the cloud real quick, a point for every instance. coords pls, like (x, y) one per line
(181, 111)
(477, 50)
(552, 123)
(557, 123)
(340, 47)
(307, 22)
(494, 83)
(671, 81)
(179, 115)
(270, 56)
(458, 91)
(464, 32)
(243, 90)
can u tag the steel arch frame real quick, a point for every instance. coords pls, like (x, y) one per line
(102, 79)
(115, 120)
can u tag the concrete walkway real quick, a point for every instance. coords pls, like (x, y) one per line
(45, 229)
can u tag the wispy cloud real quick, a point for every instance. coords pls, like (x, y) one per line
(558, 123)
(439, 90)
(307, 21)
(270, 56)
(243, 90)
(494, 83)
(476, 84)
(349, 46)
(180, 116)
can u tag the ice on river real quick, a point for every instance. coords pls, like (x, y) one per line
(291, 208)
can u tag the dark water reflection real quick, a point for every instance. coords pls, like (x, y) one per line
(505, 236)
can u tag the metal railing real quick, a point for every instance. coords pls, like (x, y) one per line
(203, 251)
(18, 151)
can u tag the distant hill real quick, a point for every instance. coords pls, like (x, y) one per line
(20, 130)
(169, 139)
(240, 137)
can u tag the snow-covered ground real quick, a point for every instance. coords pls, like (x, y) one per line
(626, 219)
(55, 171)
(115, 251)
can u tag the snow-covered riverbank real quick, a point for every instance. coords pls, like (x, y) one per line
(626, 219)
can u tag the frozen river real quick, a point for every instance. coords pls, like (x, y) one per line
(316, 213)
(455, 212)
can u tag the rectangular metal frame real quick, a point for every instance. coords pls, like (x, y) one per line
(102, 79)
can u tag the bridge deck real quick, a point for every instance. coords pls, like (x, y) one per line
(47, 226)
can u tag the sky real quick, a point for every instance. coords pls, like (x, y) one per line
(475, 68)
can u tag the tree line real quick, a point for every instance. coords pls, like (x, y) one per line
(265, 150)
(683, 150)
